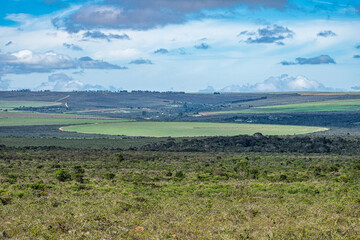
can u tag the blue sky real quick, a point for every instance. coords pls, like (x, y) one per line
(188, 45)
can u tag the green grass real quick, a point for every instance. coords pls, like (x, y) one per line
(17, 118)
(16, 104)
(326, 106)
(14, 121)
(188, 129)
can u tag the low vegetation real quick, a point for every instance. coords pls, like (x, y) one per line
(93, 194)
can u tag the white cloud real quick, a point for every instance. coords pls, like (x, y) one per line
(26, 61)
(280, 84)
(61, 82)
(4, 83)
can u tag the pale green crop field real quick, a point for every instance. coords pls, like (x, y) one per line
(326, 106)
(16, 104)
(14, 121)
(188, 129)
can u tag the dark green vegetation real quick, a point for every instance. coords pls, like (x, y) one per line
(93, 194)
(260, 143)
(237, 144)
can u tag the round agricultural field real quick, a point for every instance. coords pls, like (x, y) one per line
(188, 129)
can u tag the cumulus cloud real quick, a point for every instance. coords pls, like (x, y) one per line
(269, 34)
(202, 46)
(145, 14)
(161, 51)
(64, 83)
(279, 84)
(89, 63)
(61, 82)
(72, 47)
(176, 51)
(209, 89)
(59, 77)
(323, 59)
(234, 88)
(4, 83)
(356, 56)
(327, 33)
(26, 61)
(108, 37)
(141, 61)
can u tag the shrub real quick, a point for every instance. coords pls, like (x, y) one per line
(180, 174)
(119, 157)
(11, 179)
(56, 166)
(62, 175)
(283, 177)
(5, 200)
(37, 186)
(79, 170)
(79, 177)
(109, 176)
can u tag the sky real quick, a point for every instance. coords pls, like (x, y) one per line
(180, 45)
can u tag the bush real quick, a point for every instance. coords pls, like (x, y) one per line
(79, 170)
(119, 157)
(180, 174)
(283, 177)
(37, 186)
(109, 176)
(79, 177)
(62, 175)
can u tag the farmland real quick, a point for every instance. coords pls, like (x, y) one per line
(33, 119)
(16, 104)
(188, 129)
(324, 106)
(329, 106)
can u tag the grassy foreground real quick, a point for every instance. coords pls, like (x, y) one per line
(188, 129)
(59, 194)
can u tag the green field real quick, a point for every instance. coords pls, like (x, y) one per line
(6, 122)
(17, 104)
(17, 118)
(325, 106)
(188, 129)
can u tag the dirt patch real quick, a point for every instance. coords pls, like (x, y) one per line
(62, 98)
